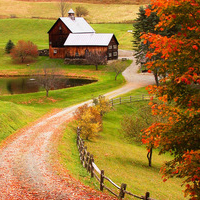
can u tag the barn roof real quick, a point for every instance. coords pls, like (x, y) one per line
(78, 25)
(92, 39)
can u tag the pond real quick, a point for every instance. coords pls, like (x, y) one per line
(26, 84)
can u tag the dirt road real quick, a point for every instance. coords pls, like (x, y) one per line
(27, 170)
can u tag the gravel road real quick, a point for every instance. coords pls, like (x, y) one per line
(27, 169)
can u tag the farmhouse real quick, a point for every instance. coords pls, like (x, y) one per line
(72, 37)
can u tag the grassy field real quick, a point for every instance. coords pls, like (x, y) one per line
(58, 98)
(98, 13)
(123, 162)
(36, 30)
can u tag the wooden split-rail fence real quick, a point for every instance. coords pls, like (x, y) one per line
(87, 160)
(128, 99)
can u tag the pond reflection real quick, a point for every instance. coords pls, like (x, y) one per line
(21, 85)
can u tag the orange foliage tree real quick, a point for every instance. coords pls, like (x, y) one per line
(179, 92)
(24, 51)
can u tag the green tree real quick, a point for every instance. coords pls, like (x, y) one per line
(117, 67)
(9, 46)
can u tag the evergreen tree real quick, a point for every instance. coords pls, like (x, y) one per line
(147, 24)
(9, 46)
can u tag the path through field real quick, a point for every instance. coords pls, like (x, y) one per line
(27, 168)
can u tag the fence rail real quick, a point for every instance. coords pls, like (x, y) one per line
(129, 99)
(87, 160)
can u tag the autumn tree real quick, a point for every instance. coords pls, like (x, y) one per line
(81, 11)
(63, 7)
(89, 120)
(95, 58)
(102, 105)
(48, 76)
(179, 92)
(117, 67)
(24, 51)
(146, 24)
(132, 126)
(9, 46)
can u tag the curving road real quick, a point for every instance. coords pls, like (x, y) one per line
(27, 168)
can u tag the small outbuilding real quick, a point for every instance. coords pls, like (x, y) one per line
(72, 37)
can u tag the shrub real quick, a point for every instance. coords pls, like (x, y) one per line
(102, 104)
(9, 46)
(81, 11)
(89, 120)
(24, 51)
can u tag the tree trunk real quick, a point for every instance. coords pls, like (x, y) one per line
(47, 93)
(155, 73)
(96, 67)
(116, 76)
(149, 156)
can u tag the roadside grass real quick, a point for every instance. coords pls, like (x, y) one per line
(36, 30)
(123, 161)
(13, 117)
(98, 13)
(62, 98)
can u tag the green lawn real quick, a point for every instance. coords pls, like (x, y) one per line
(122, 161)
(36, 30)
(62, 98)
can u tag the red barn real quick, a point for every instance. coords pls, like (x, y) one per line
(72, 37)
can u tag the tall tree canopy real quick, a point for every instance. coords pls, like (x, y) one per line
(147, 24)
(179, 91)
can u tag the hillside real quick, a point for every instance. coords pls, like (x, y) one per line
(36, 30)
(98, 1)
(98, 13)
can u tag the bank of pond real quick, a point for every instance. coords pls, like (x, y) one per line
(30, 84)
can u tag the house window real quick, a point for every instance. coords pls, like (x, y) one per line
(76, 55)
(60, 28)
(50, 42)
(110, 47)
(86, 52)
(110, 55)
(114, 53)
(115, 46)
(55, 51)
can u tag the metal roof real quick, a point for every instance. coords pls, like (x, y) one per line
(94, 39)
(78, 25)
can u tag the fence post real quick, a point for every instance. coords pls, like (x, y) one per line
(147, 195)
(112, 103)
(142, 97)
(130, 99)
(88, 162)
(91, 166)
(122, 189)
(120, 100)
(101, 180)
(84, 156)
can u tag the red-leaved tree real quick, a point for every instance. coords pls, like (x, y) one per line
(24, 51)
(179, 91)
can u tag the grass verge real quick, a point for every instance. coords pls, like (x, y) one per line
(123, 162)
